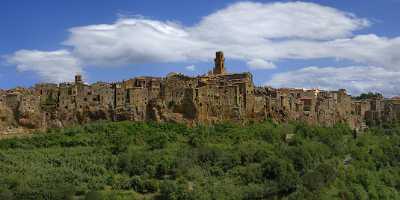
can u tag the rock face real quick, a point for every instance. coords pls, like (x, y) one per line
(215, 97)
(6, 118)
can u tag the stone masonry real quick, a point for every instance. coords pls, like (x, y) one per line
(216, 97)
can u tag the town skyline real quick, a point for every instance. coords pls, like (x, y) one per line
(308, 44)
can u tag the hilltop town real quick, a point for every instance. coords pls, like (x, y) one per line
(215, 97)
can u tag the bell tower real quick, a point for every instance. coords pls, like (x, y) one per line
(78, 79)
(219, 63)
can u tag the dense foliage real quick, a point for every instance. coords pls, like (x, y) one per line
(127, 160)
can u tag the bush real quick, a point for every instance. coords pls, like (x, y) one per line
(94, 195)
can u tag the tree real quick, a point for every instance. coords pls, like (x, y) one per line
(368, 95)
(282, 173)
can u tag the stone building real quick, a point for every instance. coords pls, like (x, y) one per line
(216, 97)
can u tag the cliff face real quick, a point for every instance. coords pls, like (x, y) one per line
(218, 96)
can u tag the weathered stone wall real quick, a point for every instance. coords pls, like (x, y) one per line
(7, 119)
(218, 96)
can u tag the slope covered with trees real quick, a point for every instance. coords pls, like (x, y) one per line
(128, 160)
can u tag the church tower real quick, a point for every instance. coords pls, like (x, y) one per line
(219, 63)
(78, 79)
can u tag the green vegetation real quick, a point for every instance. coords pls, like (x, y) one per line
(369, 95)
(128, 160)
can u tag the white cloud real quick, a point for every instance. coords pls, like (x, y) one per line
(249, 22)
(367, 49)
(356, 79)
(260, 64)
(51, 66)
(134, 40)
(190, 68)
(246, 31)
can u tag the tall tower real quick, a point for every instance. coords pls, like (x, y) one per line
(219, 63)
(78, 79)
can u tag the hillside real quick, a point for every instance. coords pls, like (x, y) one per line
(133, 160)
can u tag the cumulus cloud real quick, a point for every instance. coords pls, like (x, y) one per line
(249, 22)
(245, 30)
(367, 49)
(135, 40)
(253, 32)
(260, 64)
(356, 79)
(51, 66)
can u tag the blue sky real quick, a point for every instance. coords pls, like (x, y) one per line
(327, 44)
